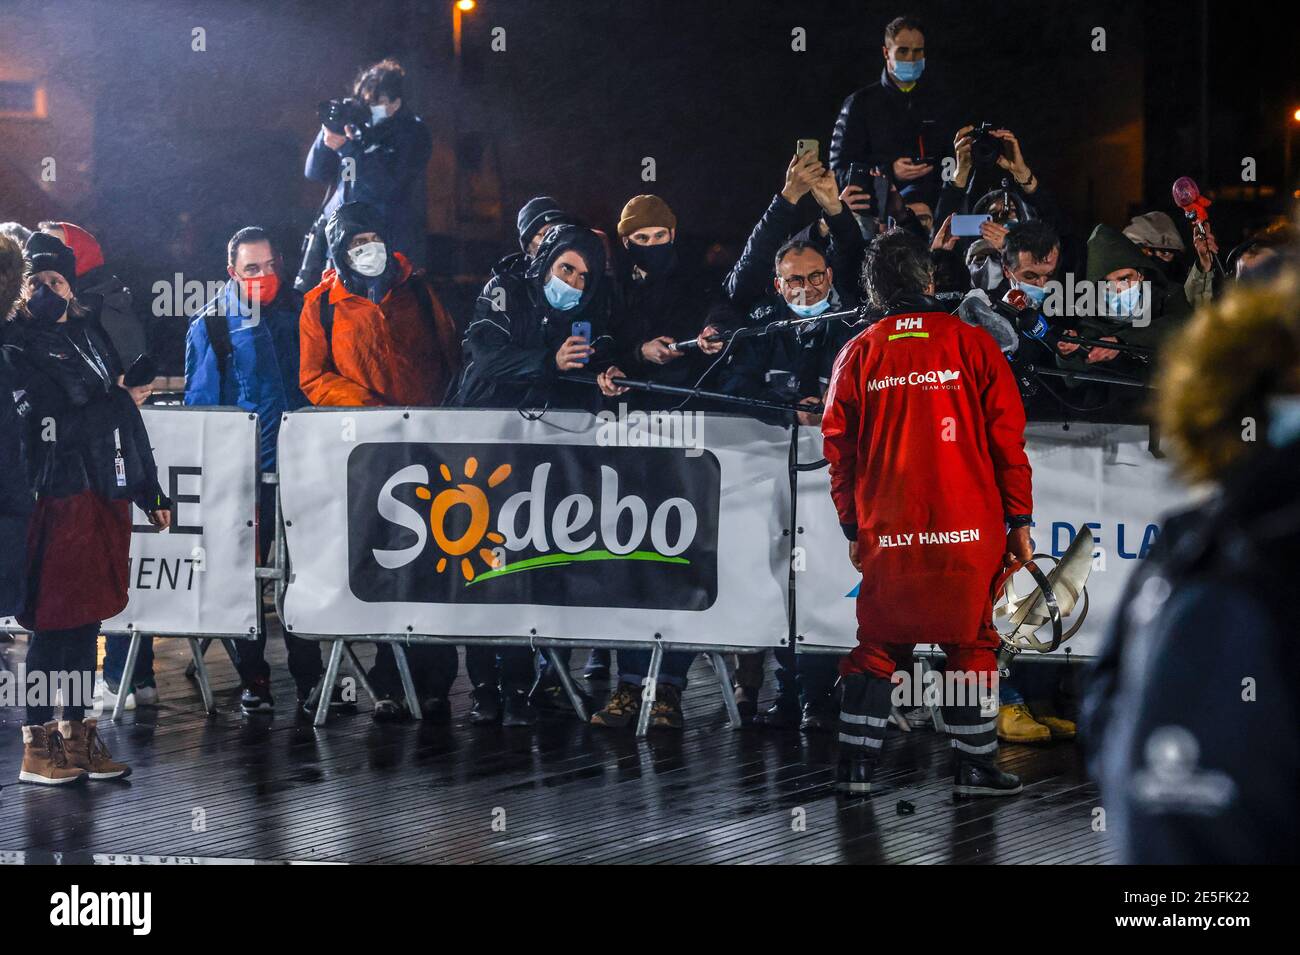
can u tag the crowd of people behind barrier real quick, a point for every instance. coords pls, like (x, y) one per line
(561, 323)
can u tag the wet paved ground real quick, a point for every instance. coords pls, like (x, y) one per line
(231, 788)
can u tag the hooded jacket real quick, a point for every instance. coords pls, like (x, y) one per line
(924, 434)
(1110, 250)
(381, 350)
(510, 343)
(105, 295)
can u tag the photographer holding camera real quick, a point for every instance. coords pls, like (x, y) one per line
(369, 149)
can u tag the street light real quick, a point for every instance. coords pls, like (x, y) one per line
(1287, 185)
(459, 8)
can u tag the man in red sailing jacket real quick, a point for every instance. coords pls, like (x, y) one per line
(924, 432)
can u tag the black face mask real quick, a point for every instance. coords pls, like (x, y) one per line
(46, 306)
(653, 259)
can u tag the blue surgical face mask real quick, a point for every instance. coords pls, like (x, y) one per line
(378, 114)
(811, 311)
(1034, 293)
(1283, 420)
(908, 71)
(561, 294)
(1124, 304)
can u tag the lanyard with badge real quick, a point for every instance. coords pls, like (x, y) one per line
(97, 365)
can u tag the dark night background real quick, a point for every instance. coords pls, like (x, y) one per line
(163, 152)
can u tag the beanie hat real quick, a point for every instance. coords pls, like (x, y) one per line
(645, 212)
(84, 246)
(45, 253)
(537, 212)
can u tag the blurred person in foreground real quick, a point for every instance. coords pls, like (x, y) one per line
(1191, 715)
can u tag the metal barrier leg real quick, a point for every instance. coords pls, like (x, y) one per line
(936, 713)
(728, 691)
(128, 674)
(327, 682)
(566, 681)
(232, 653)
(408, 681)
(648, 691)
(191, 668)
(201, 673)
(354, 664)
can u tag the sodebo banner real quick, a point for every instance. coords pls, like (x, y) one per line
(484, 523)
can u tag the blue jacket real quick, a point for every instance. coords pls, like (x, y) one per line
(389, 175)
(262, 371)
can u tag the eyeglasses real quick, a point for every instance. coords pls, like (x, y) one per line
(815, 279)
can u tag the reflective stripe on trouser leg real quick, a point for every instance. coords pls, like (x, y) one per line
(972, 733)
(864, 712)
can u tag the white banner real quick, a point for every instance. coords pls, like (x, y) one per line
(483, 523)
(1101, 476)
(198, 577)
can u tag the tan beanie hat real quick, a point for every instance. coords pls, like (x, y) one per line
(645, 212)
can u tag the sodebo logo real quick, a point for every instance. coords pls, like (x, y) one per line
(928, 379)
(540, 524)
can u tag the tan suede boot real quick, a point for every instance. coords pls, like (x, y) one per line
(86, 750)
(45, 759)
(1017, 725)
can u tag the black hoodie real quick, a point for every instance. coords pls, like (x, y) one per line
(510, 344)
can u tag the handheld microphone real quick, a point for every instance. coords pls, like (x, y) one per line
(1187, 196)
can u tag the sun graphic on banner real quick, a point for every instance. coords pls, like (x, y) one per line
(473, 497)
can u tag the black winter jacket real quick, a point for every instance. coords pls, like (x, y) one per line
(880, 123)
(510, 344)
(1191, 719)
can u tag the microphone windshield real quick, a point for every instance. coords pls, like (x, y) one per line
(1185, 192)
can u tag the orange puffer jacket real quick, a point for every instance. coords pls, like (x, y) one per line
(379, 354)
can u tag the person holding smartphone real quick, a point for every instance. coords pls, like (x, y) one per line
(529, 329)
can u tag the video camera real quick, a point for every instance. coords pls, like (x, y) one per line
(337, 115)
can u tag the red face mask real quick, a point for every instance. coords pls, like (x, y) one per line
(261, 288)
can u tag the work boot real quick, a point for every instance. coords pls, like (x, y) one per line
(1059, 727)
(666, 711)
(855, 772)
(86, 749)
(436, 710)
(486, 707)
(1017, 725)
(45, 758)
(979, 776)
(622, 709)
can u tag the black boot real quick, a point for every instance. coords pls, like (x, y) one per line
(855, 772)
(816, 719)
(487, 705)
(979, 776)
(781, 715)
(974, 736)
